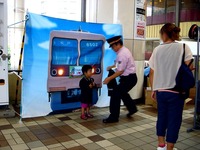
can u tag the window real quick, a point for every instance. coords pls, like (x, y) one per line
(190, 10)
(91, 52)
(64, 51)
(159, 12)
(171, 10)
(149, 11)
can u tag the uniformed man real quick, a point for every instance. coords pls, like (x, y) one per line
(126, 69)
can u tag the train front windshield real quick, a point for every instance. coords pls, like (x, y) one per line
(91, 52)
(64, 51)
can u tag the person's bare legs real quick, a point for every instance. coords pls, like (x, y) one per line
(170, 146)
(82, 111)
(161, 141)
(88, 110)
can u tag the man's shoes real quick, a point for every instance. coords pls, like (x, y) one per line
(131, 113)
(109, 120)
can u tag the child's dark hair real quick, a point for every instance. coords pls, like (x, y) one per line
(85, 68)
(171, 30)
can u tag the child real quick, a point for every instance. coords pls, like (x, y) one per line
(86, 84)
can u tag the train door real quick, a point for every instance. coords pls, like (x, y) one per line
(69, 51)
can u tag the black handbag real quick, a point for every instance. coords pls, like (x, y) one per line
(112, 84)
(184, 79)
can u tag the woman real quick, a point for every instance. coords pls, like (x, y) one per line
(165, 63)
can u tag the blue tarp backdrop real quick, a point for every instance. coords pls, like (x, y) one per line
(35, 62)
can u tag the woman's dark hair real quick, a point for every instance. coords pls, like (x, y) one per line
(85, 68)
(171, 30)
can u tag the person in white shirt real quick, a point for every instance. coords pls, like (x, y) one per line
(165, 63)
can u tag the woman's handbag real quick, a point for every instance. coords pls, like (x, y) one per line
(184, 79)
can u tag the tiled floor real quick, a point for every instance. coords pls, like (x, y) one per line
(67, 131)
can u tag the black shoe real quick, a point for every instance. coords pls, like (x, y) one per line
(131, 113)
(109, 120)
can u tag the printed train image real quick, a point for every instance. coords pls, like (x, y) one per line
(68, 52)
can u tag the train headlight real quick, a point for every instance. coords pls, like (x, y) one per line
(60, 72)
(93, 70)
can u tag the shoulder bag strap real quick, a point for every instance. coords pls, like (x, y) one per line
(183, 58)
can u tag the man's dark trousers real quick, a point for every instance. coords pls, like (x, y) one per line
(121, 92)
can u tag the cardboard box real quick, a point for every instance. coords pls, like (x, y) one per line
(154, 104)
(148, 99)
(187, 101)
(192, 95)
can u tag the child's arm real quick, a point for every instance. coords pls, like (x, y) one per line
(84, 84)
(93, 83)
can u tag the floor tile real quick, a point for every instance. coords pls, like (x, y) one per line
(92, 146)
(70, 144)
(54, 146)
(104, 143)
(68, 131)
(76, 136)
(116, 140)
(5, 148)
(182, 146)
(35, 144)
(88, 133)
(127, 137)
(8, 131)
(148, 147)
(114, 147)
(77, 148)
(19, 147)
(118, 133)
(40, 148)
(126, 145)
(83, 141)
(108, 135)
(138, 142)
(96, 138)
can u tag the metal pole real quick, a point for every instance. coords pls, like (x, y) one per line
(19, 67)
(9, 26)
(197, 81)
(83, 10)
(178, 8)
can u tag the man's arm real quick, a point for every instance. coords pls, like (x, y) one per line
(115, 75)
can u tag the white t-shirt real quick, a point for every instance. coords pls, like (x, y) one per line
(166, 61)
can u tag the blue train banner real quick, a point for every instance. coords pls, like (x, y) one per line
(54, 54)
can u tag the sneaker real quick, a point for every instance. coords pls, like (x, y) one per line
(165, 148)
(84, 117)
(161, 148)
(89, 115)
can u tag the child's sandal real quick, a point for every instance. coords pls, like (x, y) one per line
(90, 116)
(84, 117)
